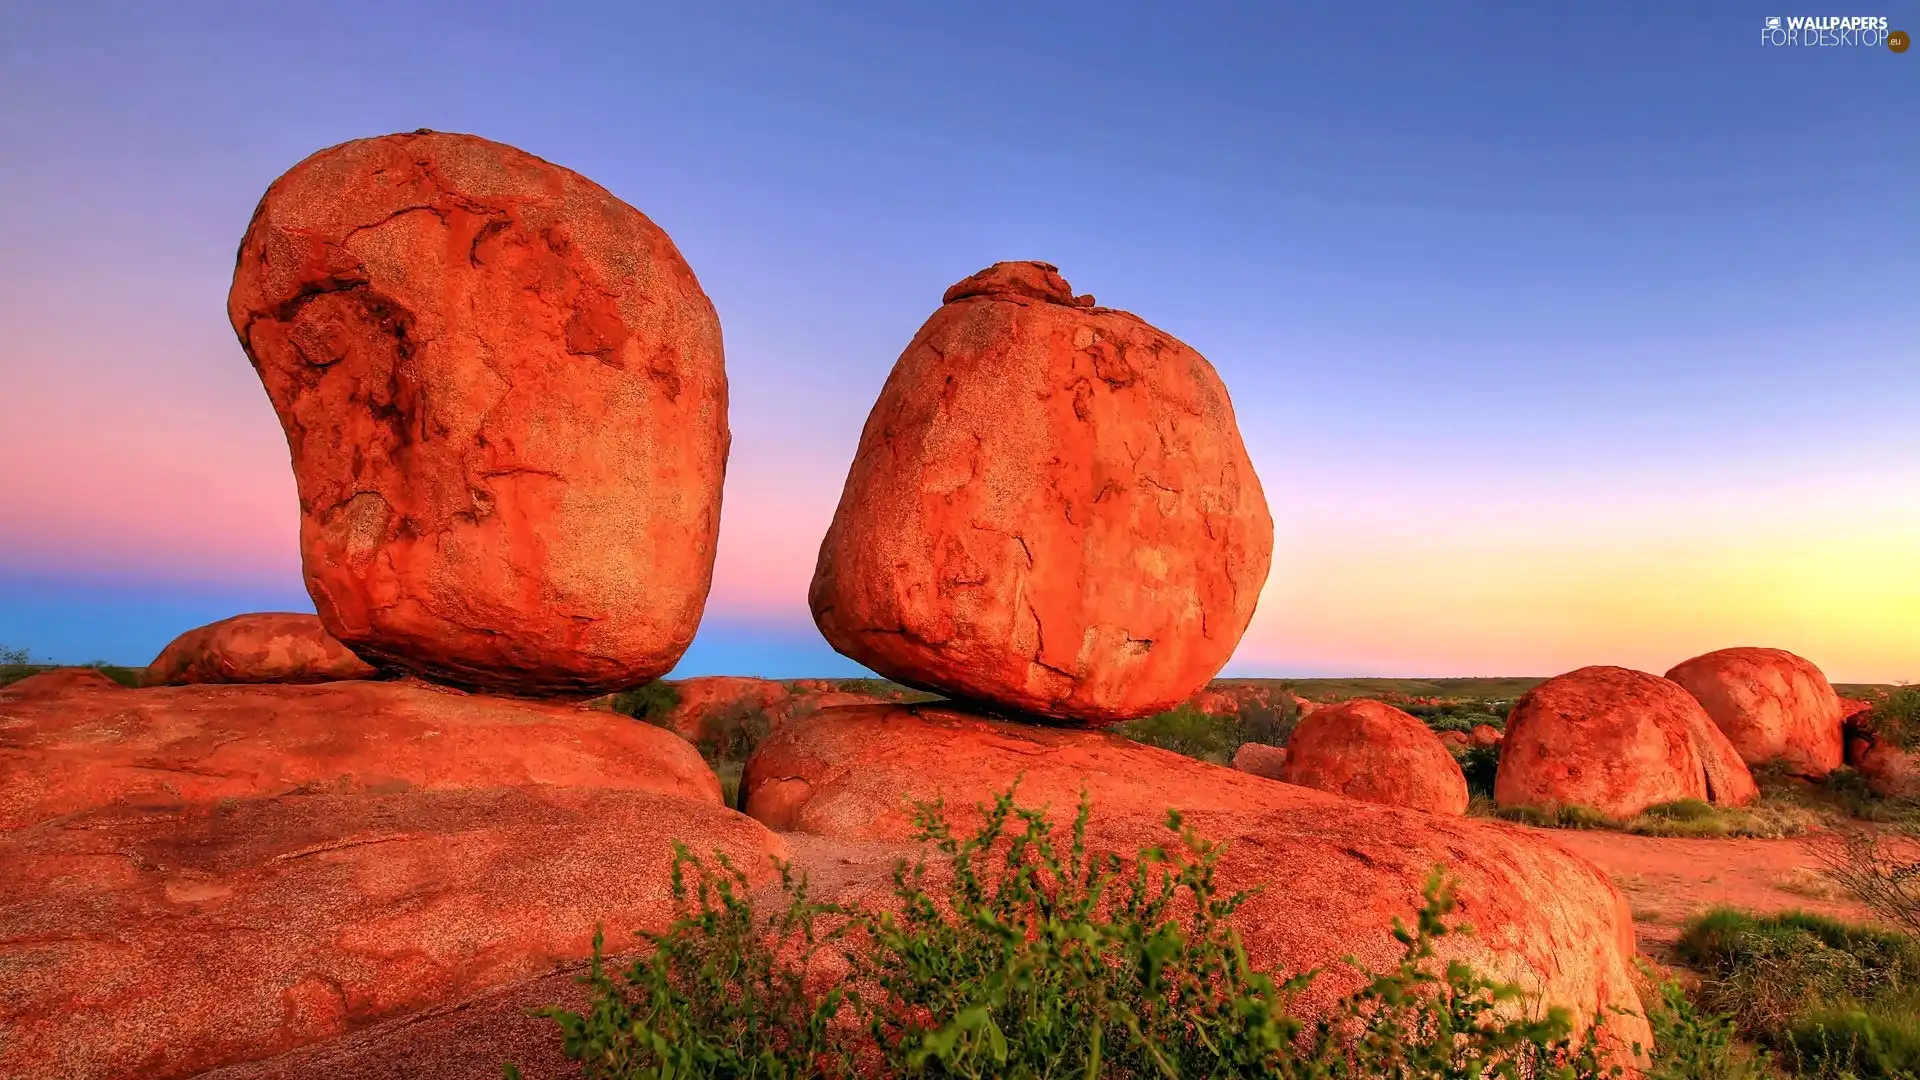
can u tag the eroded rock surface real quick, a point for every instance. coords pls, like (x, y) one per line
(268, 647)
(504, 395)
(1617, 741)
(1050, 511)
(1772, 705)
(204, 875)
(1371, 751)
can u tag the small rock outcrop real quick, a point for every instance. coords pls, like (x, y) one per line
(270, 647)
(1774, 707)
(1261, 760)
(505, 400)
(1050, 511)
(1616, 741)
(1373, 752)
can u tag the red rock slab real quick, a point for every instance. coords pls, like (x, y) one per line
(159, 943)
(100, 744)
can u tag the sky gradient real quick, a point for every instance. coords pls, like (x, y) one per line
(1557, 338)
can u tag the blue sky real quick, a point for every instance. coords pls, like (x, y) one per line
(1582, 289)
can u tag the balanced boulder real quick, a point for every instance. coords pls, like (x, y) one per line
(1774, 707)
(272, 647)
(1616, 741)
(1373, 752)
(1050, 511)
(505, 400)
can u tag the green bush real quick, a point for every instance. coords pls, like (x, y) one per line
(1480, 765)
(1897, 717)
(1692, 1044)
(1213, 736)
(653, 702)
(1834, 999)
(1033, 959)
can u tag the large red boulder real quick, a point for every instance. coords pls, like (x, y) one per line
(1616, 741)
(271, 647)
(504, 395)
(1773, 705)
(1050, 511)
(1371, 751)
(1335, 872)
(208, 874)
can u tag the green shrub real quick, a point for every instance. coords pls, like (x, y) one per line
(1897, 717)
(1213, 736)
(653, 702)
(1833, 998)
(1186, 730)
(12, 657)
(1033, 959)
(1480, 765)
(1693, 1044)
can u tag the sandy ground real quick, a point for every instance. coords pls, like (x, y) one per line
(1667, 880)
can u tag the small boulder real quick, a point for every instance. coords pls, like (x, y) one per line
(1890, 772)
(272, 647)
(1456, 742)
(1261, 760)
(505, 399)
(1772, 705)
(1485, 736)
(1616, 741)
(1371, 751)
(1050, 511)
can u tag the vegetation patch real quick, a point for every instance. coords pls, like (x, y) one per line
(1214, 736)
(1683, 817)
(1829, 998)
(1008, 953)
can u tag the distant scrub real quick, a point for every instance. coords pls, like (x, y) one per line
(1213, 736)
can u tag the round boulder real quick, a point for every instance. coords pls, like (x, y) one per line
(1616, 741)
(1774, 707)
(271, 647)
(1050, 512)
(505, 399)
(1371, 751)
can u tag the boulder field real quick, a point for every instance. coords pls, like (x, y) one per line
(1335, 871)
(1050, 511)
(505, 400)
(268, 647)
(204, 875)
(1772, 705)
(1617, 741)
(1371, 751)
